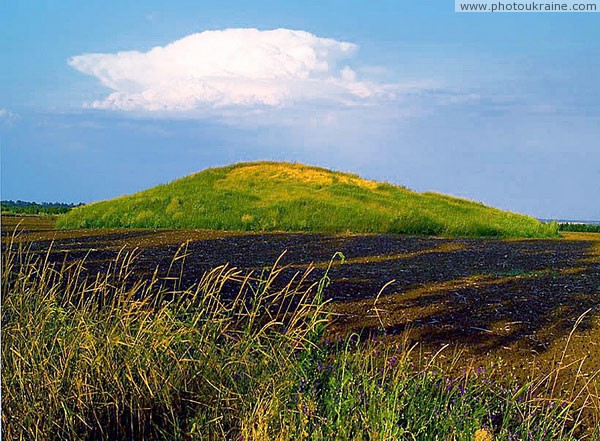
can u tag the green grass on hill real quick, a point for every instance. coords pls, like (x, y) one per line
(271, 196)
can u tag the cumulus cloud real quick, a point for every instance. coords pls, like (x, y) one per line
(246, 68)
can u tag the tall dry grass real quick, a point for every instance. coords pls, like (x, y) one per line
(118, 357)
(112, 357)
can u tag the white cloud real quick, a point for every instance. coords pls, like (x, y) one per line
(232, 68)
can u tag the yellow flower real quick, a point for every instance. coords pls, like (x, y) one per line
(484, 435)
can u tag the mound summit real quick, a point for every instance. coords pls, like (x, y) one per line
(274, 196)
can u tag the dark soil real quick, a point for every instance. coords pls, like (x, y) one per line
(515, 300)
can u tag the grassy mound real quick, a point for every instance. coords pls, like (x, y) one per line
(268, 196)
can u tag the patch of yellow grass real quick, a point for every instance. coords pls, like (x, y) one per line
(298, 173)
(483, 435)
(572, 235)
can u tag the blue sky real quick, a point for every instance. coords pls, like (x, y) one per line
(500, 108)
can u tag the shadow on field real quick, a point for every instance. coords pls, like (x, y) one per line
(485, 313)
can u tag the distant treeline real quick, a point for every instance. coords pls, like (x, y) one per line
(23, 207)
(582, 228)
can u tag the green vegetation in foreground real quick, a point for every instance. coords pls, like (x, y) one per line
(270, 196)
(115, 358)
(23, 207)
(580, 228)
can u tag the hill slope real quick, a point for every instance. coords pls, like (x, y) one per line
(293, 197)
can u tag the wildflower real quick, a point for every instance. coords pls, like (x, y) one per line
(483, 435)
